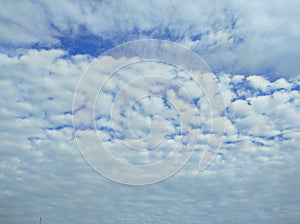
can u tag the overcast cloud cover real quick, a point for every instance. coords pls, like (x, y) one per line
(252, 47)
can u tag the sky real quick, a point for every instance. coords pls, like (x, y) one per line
(55, 57)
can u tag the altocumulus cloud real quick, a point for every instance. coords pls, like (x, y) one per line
(42, 172)
(253, 48)
(249, 37)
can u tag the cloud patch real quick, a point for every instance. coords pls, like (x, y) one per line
(252, 37)
(43, 174)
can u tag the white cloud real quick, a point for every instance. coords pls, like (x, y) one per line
(281, 83)
(41, 170)
(228, 34)
(258, 82)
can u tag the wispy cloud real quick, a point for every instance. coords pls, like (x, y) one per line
(250, 37)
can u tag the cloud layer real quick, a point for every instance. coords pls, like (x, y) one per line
(253, 48)
(254, 177)
(252, 37)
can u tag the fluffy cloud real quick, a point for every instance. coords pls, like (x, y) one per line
(45, 48)
(42, 171)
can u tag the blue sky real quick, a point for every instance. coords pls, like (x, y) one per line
(253, 49)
